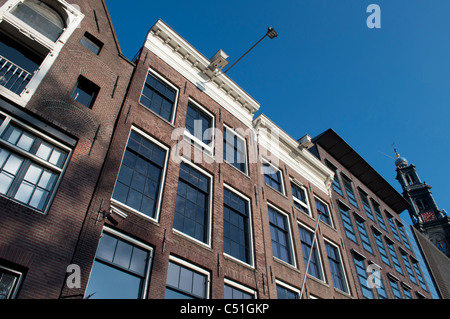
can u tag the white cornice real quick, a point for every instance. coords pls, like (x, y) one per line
(185, 59)
(289, 151)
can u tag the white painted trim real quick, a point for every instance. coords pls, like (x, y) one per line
(54, 48)
(179, 54)
(135, 243)
(288, 151)
(193, 267)
(161, 78)
(287, 286)
(163, 174)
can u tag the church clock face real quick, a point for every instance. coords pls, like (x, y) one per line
(428, 216)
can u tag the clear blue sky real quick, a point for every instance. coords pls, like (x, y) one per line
(327, 69)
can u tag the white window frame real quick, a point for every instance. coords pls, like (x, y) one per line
(9, 119)
(283, 190)
(121, 205)
(53, 48)
(232, 131)
(135, 242)
(208, 148)
(318, 251)
(202, 271)
(297, 200)
(294, 259)
(342, 266)
(289, 287)
(240, 287)
(329, 211)
(250, 225)
(211, 195)
(162, 79)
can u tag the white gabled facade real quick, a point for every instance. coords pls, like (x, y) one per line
(185, 59)
(288, 150)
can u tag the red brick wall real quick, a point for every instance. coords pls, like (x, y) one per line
(43, 244)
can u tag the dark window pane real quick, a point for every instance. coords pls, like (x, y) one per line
(106, 282)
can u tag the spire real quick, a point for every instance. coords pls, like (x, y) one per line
(400, 161)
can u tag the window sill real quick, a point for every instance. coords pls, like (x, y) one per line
(120, 206)
(282, 262)
(192, 240)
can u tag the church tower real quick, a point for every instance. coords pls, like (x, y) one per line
(424, 212)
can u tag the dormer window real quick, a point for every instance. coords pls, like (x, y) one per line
(41, 17)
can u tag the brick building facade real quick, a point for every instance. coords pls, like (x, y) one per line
(53, 144)
(368, 209)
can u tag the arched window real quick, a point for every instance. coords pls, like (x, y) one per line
(41, 17)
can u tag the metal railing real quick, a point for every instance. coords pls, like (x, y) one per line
(12, 76)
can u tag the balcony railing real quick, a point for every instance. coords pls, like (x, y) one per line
(12, 76)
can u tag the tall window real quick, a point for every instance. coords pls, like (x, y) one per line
(30, 165)
(315, 265)
(199, 126)
(325, 215)
(192, 203)
(120, 270)
(380, 219)
(236, 226)
(273, 177)
(381, 248)
(234, 150)
(393, 227)
(381, 290)
(395, 289)
(366, 204)
(300, 198)
(336, 267)
(409, 268)
(349, 190)
(336, 184)
(363, 235)
(159, 96)
(139, 182)
(280, 234)
(347, 221)
(394, 258)
(404, 237)
(186, 281)
(41, 17)
(419, 276)
(362, 276)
